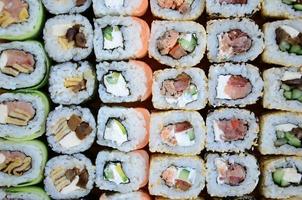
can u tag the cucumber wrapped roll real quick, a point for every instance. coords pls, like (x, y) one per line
(23, 193)
(282, 9)
(66, 6)
(139, 195)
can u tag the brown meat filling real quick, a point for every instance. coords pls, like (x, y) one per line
(283, 36)
(16, 163)
(175, 87)
(233, 129)
(183, 6)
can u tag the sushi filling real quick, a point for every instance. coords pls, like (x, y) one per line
(291, 84)
(233, 1)
(80, 3)
(113, 172)
(14, 163)
(290, 134)
(176, 44)
(179, 91)
(116, 84)
(229, 172)
(71, 131)
(296, 4)
(181, 178)
(178, 134)
(14, 62)
(182, 6)
(75, 84)
(115, 132)
(287, 176)
(229, 130)
(113, 37)
(289, 39)
(13, 12)
(114, 3)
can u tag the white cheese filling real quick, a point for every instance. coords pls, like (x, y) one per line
(218, 133)
(285, 127)
(222, 167)
(184, 99)
(119, 88)
(116, 41)
(222, 81)
(291, 175)
(114, 3)
(61, 29)
(2, 158)
(3, 113)
(183, 138)
(72, 186)
(290, 30)
(288, 75)
(70, 140)
(114, 133)
(3, 60)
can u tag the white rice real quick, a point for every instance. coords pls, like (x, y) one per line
(138, 195)
(66, 6)
(277, 9)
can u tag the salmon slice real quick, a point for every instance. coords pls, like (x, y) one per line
(145, 113)
(144, 37)
(13, 11)
(144, 155)
(238, 87)
(183, 6)
(141, 9)
(168, 132)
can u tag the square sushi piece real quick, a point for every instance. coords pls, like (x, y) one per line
(282, 9)
(66, 6)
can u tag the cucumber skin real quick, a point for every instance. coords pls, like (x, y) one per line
(30, 189)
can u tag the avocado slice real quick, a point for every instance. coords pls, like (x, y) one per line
(121, 126)
(285, 87)
(278, 176)
(298, 6)
(113, 78)
(191, 135)
(108, 174)
(296, 94)
(284, 46)
(287, 95)
(288, 2)
(188, 45)
(121, 173)
(184, 174)
(292, 140)
(107, 32)
(295, 49)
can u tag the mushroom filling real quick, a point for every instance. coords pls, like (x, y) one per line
(80, 2)
(75, 84)
(290, 134)
(296, 4)
(113, 172)
(179, 91)
(13, 11)
(182, 6)
(289, 39)
(14, 163)
(228, 130)
(291, 86)
(113, 37)
(287, 176)
(115, 132)
(116, 84)
(233, 1)
(181, 178)
(115, 4)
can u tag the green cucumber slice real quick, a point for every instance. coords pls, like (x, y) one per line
(280, 134)
(296, 94)
(28, 190)
(188, 45)
(285, 87)
(288, 95)
(284, 46)
(300, 99)
(107, 32)
(298, 7)
(184, 174)
(288, 2)
(278, 176)
(191, 135)
(108, 174)
(295, 49)
(292, 140)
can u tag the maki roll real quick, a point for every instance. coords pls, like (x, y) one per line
(176, 177)
(281, 133)
(21, 163)
(67, 6)
(234, 84)
(139, 195)
(180, 88)
(120, 38)
(177, 44)
(72, 83)
(122, 172)
(282, 9)
(125, 129)
(231, 130)
(177, 132)
(23, 115)
(68, 37)
(235, 40)
(20, 19)
(69, 176)
(23, 193)
(124, 81)
(177, 10)
(283, 43)
(70, 129)
(231, 175)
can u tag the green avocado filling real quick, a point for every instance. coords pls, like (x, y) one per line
(113, 172)
(188, 42)
(291, 138)
(285, 177)
(292, 91)
(296, 4)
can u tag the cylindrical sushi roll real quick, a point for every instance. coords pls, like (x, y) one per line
(177, 10)
(66, 6)
(21, 163)
(23, 193)
(68, 37)
(177, 132)
(282, 89)
(235, 40)
(282, 9)
(120, 7)
(176, 177)
(69, 176)
(231, 175)
(124, 81)
(20, 19)
(180, 88)
(23, 65)
(176, 43)
(139, 195)
(72, 83)
(120, 38)
(125, 129)
(231, 130)
(122, 172)
(280, 133)
(70, 129)
(234, 84)
(23, 115)
(283, 43)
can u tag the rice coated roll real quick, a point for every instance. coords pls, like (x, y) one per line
(235, 40)
(69, 176)
(176, 177)
(66, 6)
(72, 83)
(23, 193)
(179, 88)
(282, 9)
(70, 129)
(68, 37)
(125, 129)
(120, 38)
(231, 130)
(124, 81)
(22, 163)
(176, 43)
(177, 132)
(122, 172)
(139, 195)
(23, 114)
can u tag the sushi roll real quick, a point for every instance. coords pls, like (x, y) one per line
(231, 130)
(235, 40)
(72, 83)
(176, 177)
(125, 129)
(234, 84)
(282, 89)
(70, 129)
(283, 43)
(180, 88)
(177, 44)
(124, 81)
(120, 38)
(66, 6)
(139, 195)
(282, 9)
(68, 37)
(177, 132)
(69, 176)
(21, 163)
(122, 172)
(20, 19)
(231, 175)
(23, 193)
(280, 133)
(177, 10)
(23, 115)
(120, 7)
